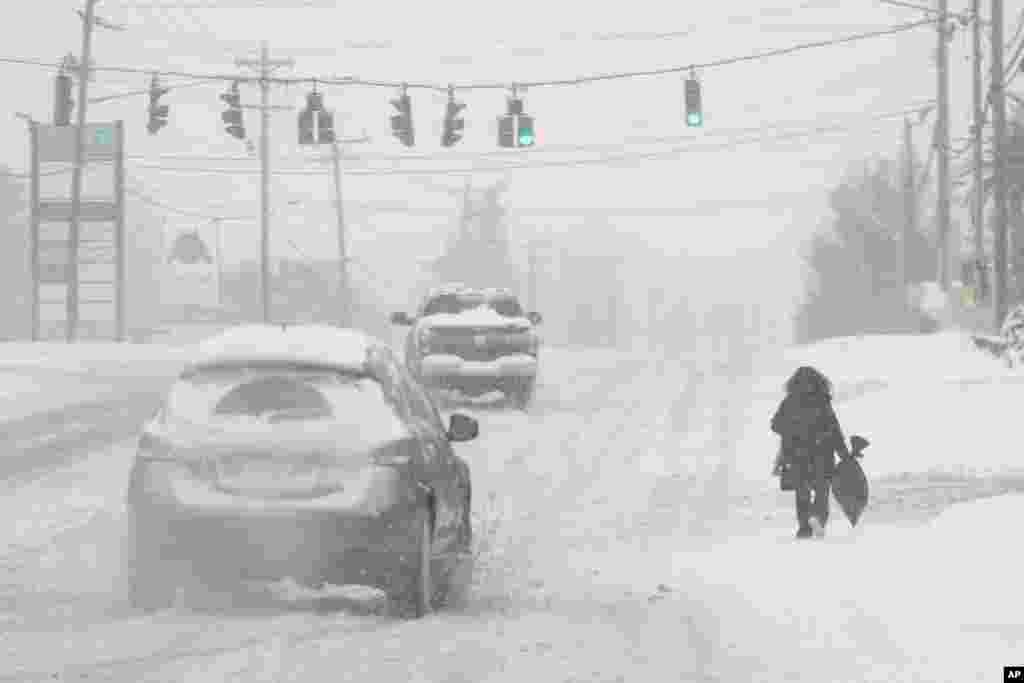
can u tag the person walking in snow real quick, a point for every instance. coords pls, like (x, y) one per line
(811, 436)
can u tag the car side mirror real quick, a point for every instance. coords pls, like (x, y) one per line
(535, 318)
(401, 318)
(462, 428)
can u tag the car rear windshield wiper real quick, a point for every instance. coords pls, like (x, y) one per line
(294, 414)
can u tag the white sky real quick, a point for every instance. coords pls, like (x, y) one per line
(484, 41)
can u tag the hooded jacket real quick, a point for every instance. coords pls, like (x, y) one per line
(809, 427)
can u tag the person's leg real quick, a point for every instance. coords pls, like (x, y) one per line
(820, 504)
(802, 495)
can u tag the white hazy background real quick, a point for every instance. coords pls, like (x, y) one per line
(765, 198)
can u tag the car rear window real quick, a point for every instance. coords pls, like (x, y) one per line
(507, 307)
(273, 396)
(452, 304)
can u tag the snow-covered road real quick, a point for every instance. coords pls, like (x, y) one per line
(623, 534)
(562, 497)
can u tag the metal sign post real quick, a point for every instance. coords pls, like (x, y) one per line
(99, 261)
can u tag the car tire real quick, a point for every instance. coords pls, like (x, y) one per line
(414, 598)
(149, 586)
(466, 530)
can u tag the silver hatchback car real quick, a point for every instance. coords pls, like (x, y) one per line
(302, 451)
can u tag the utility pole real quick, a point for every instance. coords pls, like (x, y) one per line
(531, 297)
(74, 237)
(977, 144)
(909, 201)
(344, 286)
(344, 290)
(947, 248)
(218, 235)
(1002, 217)
(265, 66)
(464, 222)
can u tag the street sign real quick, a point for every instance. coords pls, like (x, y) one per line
(54, 232)
(57, 143)
(54, 273)
(90, 210)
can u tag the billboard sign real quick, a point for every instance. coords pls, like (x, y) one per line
(57, 143)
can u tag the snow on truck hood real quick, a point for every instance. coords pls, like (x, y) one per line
(481, 316)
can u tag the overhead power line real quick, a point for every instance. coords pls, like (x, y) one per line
(734, 137)
(826, 119)
(135, 93)
(349, 81)
(663, 155)
(146, 199)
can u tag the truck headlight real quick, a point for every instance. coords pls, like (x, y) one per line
(423, 338)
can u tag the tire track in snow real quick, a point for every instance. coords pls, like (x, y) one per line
(523, 458)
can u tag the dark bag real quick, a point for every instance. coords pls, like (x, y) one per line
(850, 484)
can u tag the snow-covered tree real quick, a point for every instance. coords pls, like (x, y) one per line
(479, 254)
(857, 282)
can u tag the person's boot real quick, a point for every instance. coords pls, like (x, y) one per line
(817, 528)
(804, 531)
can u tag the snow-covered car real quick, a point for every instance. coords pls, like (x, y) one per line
(475, 341)
(305, 452)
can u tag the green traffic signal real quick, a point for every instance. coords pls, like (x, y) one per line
(694, 110)
(524, 133)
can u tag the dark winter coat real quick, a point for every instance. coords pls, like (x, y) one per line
(809, 430)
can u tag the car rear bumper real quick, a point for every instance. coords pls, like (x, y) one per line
(444, 366)
(325, 546)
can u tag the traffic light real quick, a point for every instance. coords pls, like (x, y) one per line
(157, 112)
(524, 131)
(515, 128)
(507, 131)
(694, 113)
(62, 102)
(401, 123)
(325, 127)
(232, 116)
(453, 123)
(306, 136)
(307, 118)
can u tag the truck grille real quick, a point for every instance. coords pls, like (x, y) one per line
(480, 344)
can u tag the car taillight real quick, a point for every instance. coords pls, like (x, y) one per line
(156, 449)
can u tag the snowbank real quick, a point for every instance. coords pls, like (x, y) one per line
(927, 403)
(89, 356)
(896, 359)
(873, 604)
(43, 376)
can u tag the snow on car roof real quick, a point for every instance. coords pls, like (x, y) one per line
(464, 290)
(319, 345)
